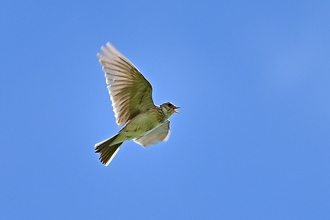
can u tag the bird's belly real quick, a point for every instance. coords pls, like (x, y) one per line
(139, 126)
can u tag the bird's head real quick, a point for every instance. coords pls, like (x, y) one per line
(168, 109)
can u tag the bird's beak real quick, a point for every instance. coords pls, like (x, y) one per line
(175, 108)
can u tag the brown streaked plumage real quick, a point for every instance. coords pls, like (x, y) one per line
(131, 96)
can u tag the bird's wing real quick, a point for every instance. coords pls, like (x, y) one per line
(161, 133)
(129, 91)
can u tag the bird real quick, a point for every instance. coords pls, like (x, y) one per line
(131, 95)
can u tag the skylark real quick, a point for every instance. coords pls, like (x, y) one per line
(131, 94)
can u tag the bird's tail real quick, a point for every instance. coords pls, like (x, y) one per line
(106, 150)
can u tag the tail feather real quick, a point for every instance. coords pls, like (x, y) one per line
(106, 150)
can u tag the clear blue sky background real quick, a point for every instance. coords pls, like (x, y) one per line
(251, 140)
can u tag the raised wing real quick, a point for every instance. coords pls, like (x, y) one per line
(162, 133)
(129, 91)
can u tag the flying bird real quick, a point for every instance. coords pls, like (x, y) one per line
(131, 94)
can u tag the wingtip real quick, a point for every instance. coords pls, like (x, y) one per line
(99, 55)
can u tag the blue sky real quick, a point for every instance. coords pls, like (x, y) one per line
(251, 140)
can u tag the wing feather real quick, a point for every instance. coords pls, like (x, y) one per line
(161, 133)
(129, 90)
